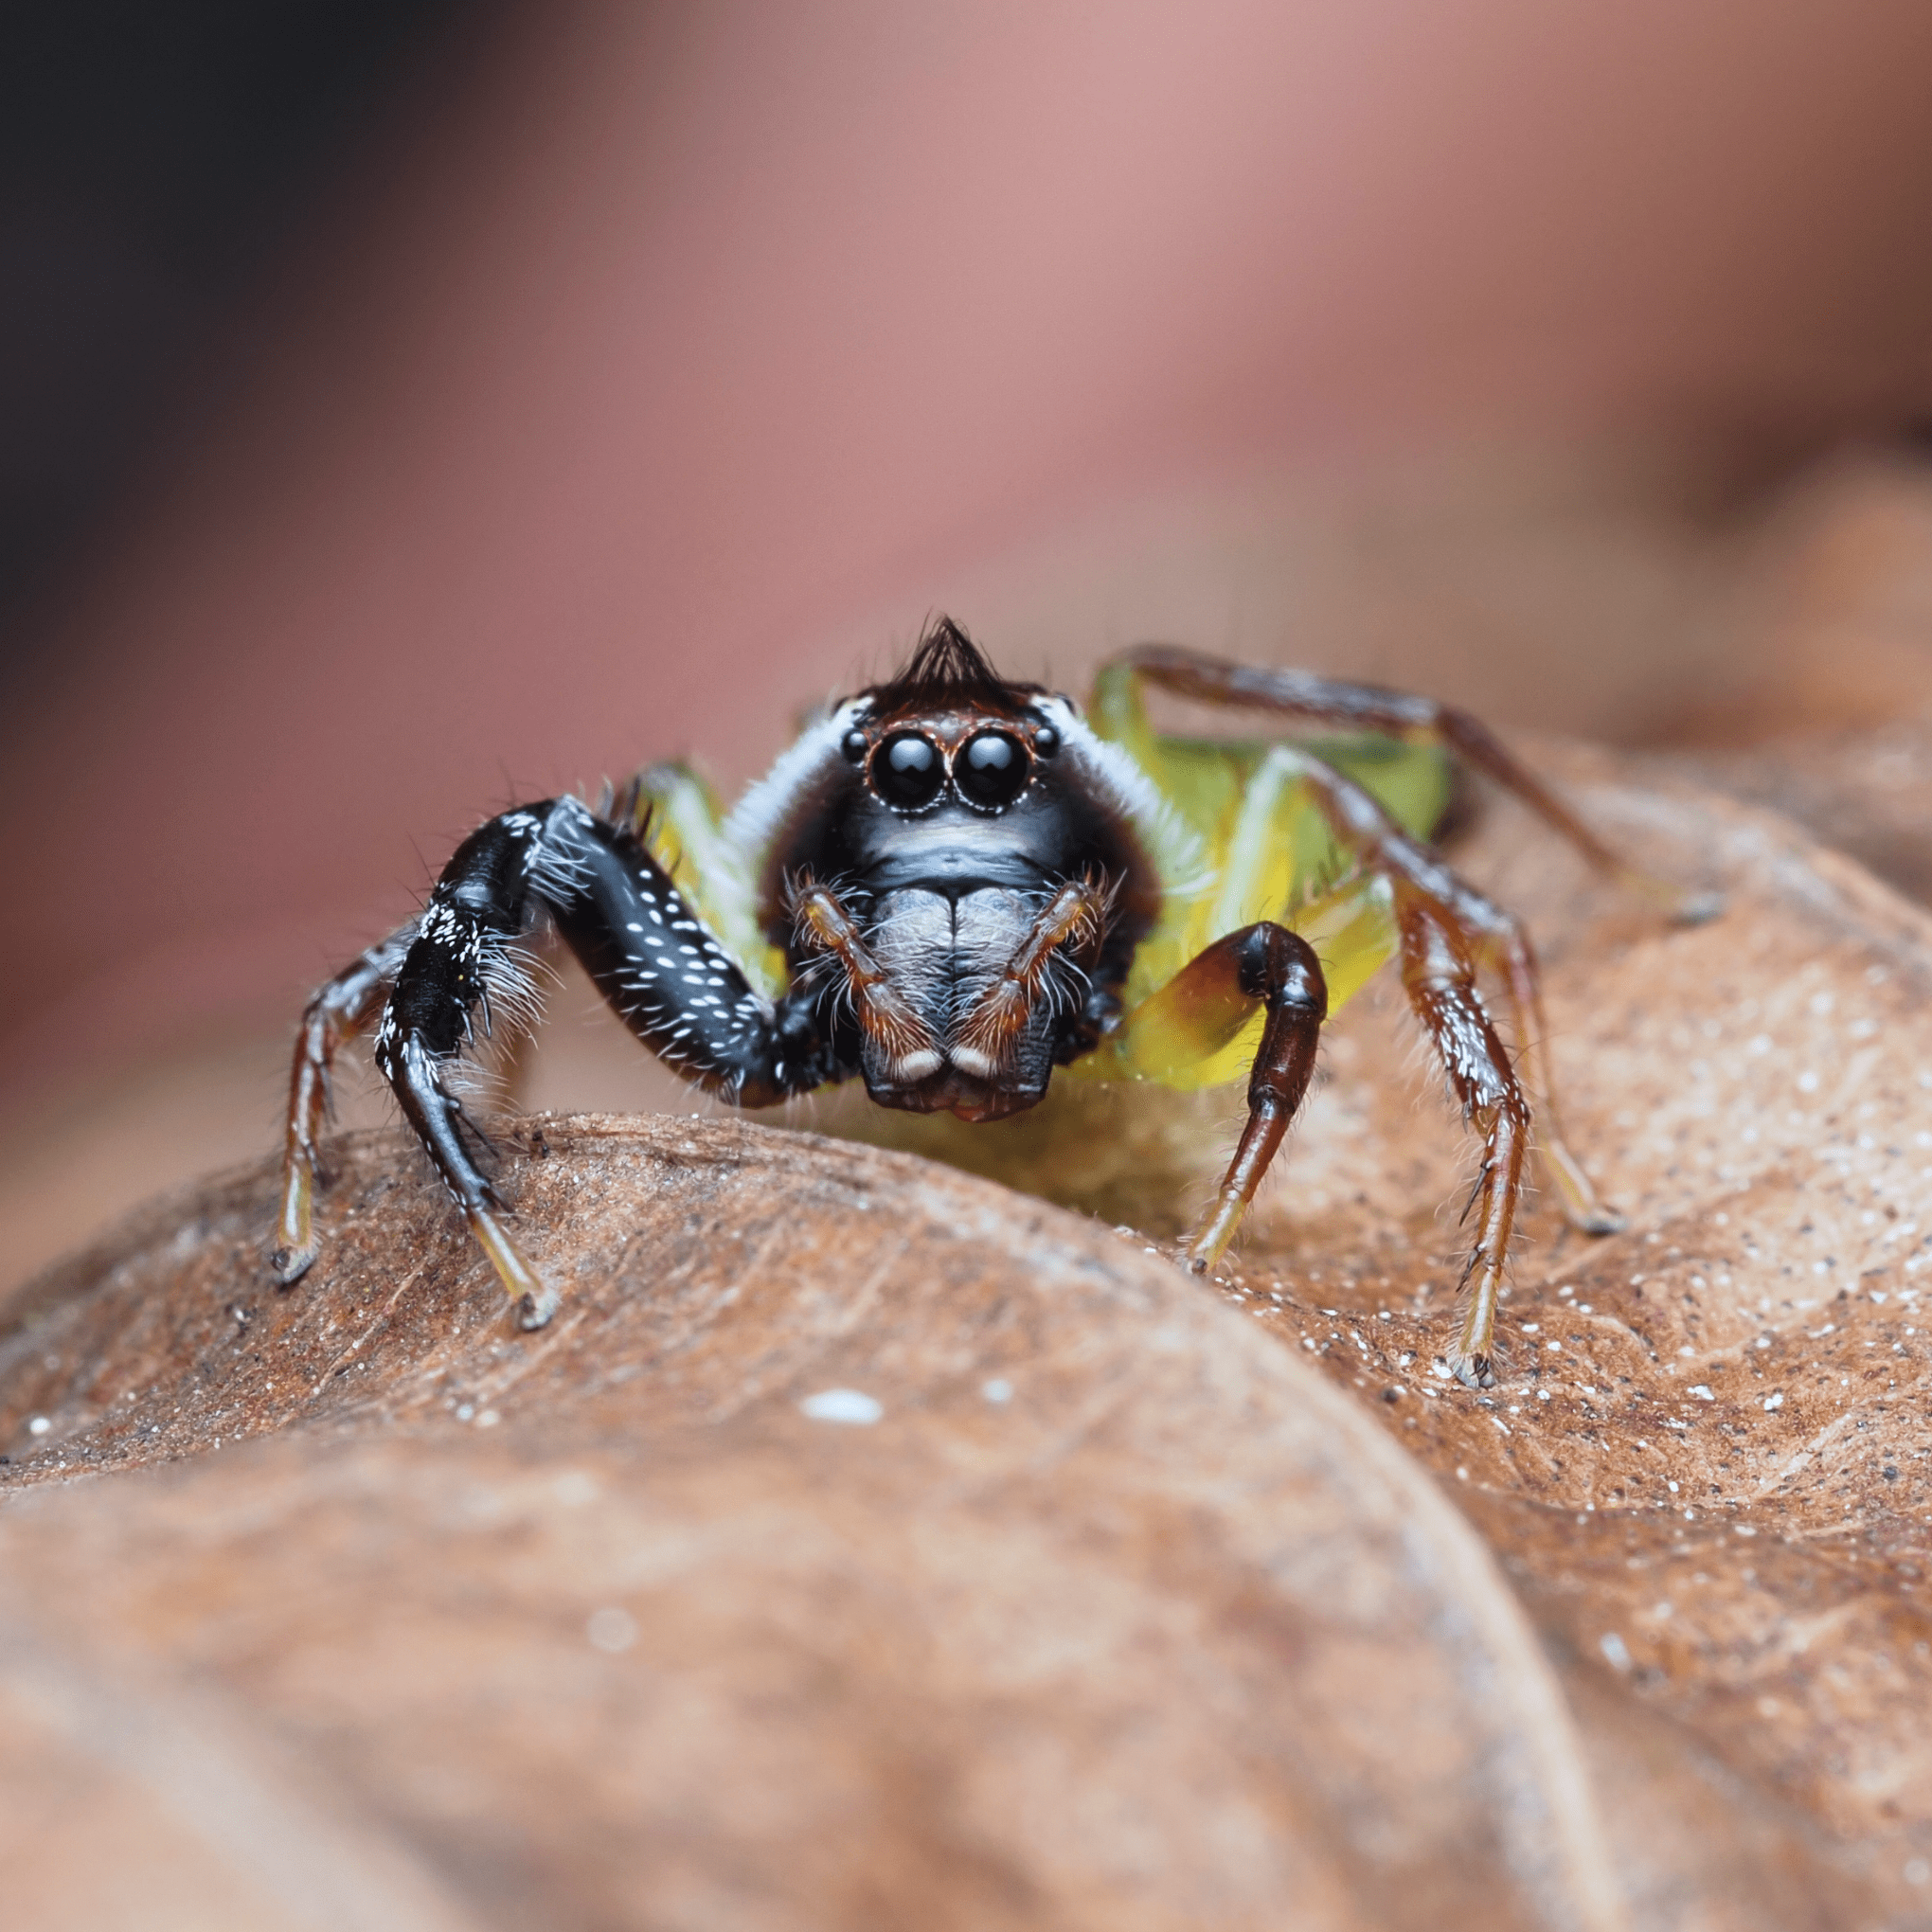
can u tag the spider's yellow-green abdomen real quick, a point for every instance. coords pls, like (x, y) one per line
(1267, 855)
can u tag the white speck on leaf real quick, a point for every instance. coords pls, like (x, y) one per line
(842, 1405)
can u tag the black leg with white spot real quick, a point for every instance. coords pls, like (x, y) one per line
(668, 979)
(674, 985)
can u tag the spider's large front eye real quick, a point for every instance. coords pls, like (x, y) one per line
(907, 772)
(992, 771)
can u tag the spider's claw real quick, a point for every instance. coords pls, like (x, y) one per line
(1603, 1221)
(1473, 1371)
(289, 1264)
(535, 1307)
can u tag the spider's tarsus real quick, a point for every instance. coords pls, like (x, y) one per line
(534, 1310)
(1604, 1220)
(288, 1266)
(1473, 1371)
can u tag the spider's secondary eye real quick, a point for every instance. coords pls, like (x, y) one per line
(852, 746)
(1045, 741)
(907, 771)
(992, 771)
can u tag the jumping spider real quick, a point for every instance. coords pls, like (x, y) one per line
(953, 884)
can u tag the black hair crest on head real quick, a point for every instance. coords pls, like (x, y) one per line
(947, 671)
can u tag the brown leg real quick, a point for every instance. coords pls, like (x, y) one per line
(339, 1010)
(1313, 700)
(1261, 965)
(882, 1010)
(1509, 954)
(1074, 917)
(1439, 977)
(1489, 936)
(1447, 931)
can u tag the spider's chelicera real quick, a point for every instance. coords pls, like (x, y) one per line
(953, 885)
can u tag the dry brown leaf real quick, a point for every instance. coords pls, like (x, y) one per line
(1866, 792)
(1115, 1615)
(1707, 1471)
(1169, 1635)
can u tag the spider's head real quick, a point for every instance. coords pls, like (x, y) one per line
(945, 813)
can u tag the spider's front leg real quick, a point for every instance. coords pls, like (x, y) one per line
(669, 980)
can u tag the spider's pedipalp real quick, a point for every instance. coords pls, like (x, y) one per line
(890, 1022)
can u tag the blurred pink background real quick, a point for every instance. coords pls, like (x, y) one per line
(661, 367)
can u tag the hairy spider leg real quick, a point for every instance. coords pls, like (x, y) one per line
(1211, 998)
(1362, 825)
(673, 811)
(671, 982)
(338, 1010)
(1440, 977)
(1074, 918)
(1446, 929)
(1334, 702)
(1505, 949)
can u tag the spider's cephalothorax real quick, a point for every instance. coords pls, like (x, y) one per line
(951, 885)
(961, 874)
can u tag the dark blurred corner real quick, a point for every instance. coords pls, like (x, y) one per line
(153, 158)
